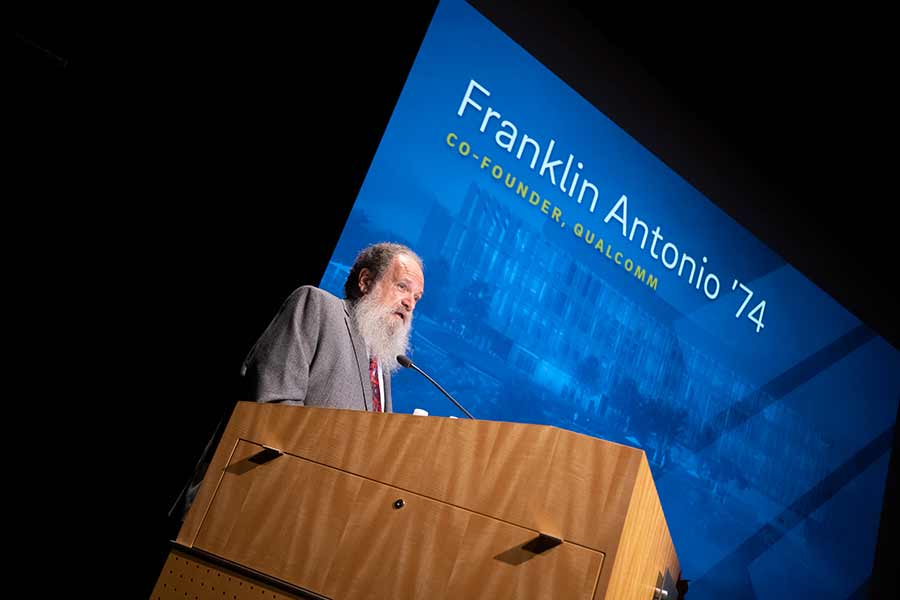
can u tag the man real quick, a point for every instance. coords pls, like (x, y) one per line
(320, 350)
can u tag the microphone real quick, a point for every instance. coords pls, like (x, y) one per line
(405, 362)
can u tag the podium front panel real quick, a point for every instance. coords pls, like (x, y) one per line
(343, 535)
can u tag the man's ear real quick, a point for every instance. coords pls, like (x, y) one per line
(365, 280)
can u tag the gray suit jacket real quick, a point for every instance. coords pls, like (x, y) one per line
(312, 354)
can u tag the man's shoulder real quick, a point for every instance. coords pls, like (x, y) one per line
(307, 295)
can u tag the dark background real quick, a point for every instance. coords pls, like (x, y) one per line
(178, 172)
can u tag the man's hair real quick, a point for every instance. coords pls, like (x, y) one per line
(376, 258)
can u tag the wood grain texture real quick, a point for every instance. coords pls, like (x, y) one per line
(590, 492)
(645, 548)
(479, 490)
(341, 535)
(284, 518)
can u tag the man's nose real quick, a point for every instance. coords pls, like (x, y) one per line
(409, 303)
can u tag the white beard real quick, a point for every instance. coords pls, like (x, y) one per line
(385, 337)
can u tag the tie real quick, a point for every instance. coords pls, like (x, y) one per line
(376, 389)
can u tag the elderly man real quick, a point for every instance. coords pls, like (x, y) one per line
(320, 350)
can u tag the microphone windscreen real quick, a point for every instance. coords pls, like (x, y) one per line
(404, 362)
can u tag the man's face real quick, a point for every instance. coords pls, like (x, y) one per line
(399, 289)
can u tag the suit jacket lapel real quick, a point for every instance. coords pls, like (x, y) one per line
(388, 404)
(359, 348)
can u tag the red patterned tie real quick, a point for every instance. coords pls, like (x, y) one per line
(376, 389)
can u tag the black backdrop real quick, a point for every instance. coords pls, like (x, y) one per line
(182, 171)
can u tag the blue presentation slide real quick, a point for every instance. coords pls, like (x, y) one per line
(573, 279)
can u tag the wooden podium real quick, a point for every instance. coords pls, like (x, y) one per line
(312, 502)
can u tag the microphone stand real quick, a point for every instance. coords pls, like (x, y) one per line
(405, 362)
